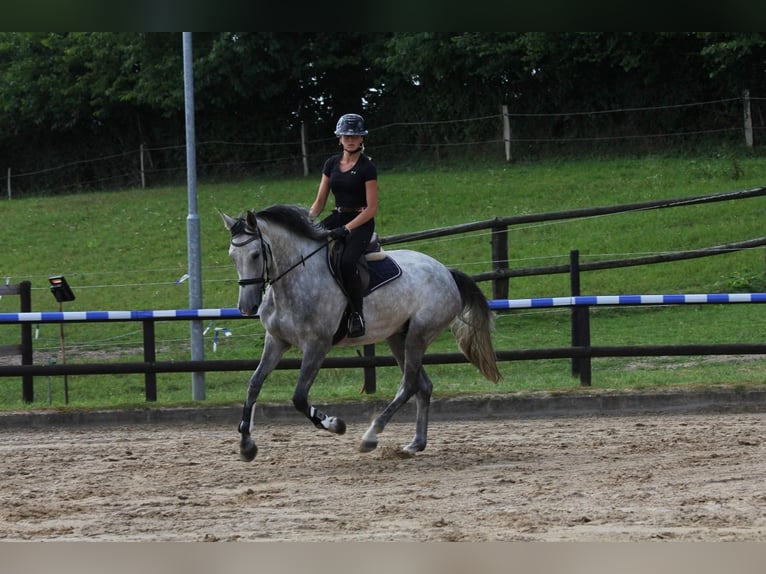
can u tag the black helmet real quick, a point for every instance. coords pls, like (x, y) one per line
(350, 125)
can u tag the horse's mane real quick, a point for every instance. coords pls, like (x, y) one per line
(294, 218)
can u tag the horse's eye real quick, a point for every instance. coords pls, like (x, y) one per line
(255, 256)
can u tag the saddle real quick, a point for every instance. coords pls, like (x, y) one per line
(375, 270)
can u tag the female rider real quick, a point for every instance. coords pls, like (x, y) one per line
(352, 178)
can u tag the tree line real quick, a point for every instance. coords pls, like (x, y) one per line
(65, 97)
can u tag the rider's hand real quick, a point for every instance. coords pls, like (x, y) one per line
(339, 233)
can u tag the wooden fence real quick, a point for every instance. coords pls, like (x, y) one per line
(499, 226)
(580, 351)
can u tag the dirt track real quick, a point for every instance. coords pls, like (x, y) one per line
(658, 477)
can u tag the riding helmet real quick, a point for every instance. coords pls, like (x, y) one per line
(350, 125)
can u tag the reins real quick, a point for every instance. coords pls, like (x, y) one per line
(301, 261)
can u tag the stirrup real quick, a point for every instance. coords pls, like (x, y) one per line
(355, 325)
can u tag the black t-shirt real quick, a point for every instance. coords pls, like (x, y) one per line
(349, 187)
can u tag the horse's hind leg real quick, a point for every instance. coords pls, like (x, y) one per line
(423, 401)
(410, 363)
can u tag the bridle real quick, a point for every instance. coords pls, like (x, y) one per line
(241, 227)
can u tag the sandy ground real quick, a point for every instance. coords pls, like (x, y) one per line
(586, 478)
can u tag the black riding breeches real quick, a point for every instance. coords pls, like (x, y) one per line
(354, 247)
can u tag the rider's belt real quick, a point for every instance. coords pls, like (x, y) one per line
(349, 209)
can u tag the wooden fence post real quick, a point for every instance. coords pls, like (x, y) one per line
(370, 377)
(24, 291)
(580, 323)
(150, 356)
(304, 152)
(574, 291)
(143, 173)
(507, 134)
(748, 118)
(500, 261)
(27, 354)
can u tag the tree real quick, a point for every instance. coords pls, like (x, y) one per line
(71, 96)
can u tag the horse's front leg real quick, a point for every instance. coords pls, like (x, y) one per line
(273, 349)
(310, 365)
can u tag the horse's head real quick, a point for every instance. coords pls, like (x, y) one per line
(248, 251)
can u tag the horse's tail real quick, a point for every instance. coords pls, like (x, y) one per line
(473, 326)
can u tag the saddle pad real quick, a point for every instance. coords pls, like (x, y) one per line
(381, 272)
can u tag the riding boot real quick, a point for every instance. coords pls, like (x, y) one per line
(356, 327)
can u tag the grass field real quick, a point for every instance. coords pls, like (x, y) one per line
(125, 250)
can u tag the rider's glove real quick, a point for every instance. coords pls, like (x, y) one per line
(339, 233)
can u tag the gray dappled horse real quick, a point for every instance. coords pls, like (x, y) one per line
(303, 305)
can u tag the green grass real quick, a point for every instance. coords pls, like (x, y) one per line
(125, 250)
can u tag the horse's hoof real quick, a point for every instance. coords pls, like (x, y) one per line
(368, 445)
(247, 452)
(412, 448)
(340, 427)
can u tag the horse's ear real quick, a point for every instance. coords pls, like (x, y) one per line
(250, 219)
(227, 221)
